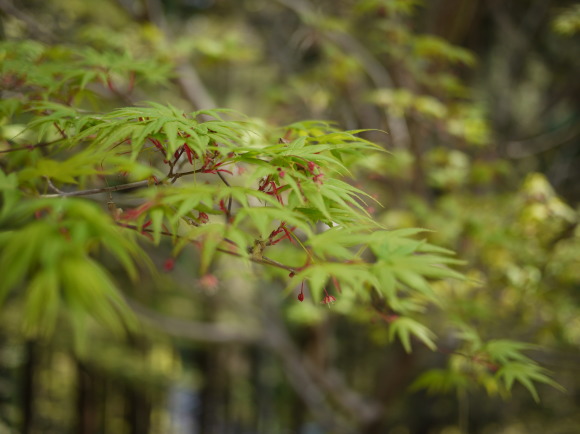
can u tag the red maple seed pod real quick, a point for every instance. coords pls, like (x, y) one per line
(301, 295)
(169, 264)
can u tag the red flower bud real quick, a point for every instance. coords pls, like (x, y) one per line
(328, 299)
(209, 282)
(203, 218)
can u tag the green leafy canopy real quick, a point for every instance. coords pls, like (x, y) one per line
(271, 196)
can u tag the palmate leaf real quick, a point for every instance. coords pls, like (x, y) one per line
(516, 366)
(43, 301)
(18, 254)
(324, 132)
(505, 351)
(338, 241)
(9, 193)
(264, 219)
(347, 199)
(415, 281)
(66, 171)
(10, 106)
(440, 381)
(526, 374)
(52, 243)
(405, 328)
(53, 114)
(355, 277)
(388, 286)
(57, 72)
(86, 286)
(404, 270)
(388, 244)
(172, 127)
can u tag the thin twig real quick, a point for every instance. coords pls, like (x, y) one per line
(53, 187)
(229, 209)
(128, 186)
(267, 261)
(175, 176)
(223, 179)
(28, 147)
(92, 191)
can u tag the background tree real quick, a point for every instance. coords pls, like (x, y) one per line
(212, 345)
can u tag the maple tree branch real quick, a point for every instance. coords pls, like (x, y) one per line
(27, 147)
(128, 186)
(92, 191)
(263, 260)
(53, 187)
(176, 176)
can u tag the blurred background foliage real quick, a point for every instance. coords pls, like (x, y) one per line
(477, 103)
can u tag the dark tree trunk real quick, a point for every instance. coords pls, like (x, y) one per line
(28, 386)
(138, 415)
(211, 399)
(88, 400)
(137, 397)
(391, 383)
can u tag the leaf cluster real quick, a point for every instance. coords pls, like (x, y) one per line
(283, 198)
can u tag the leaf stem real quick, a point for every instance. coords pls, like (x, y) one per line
(229, 209)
